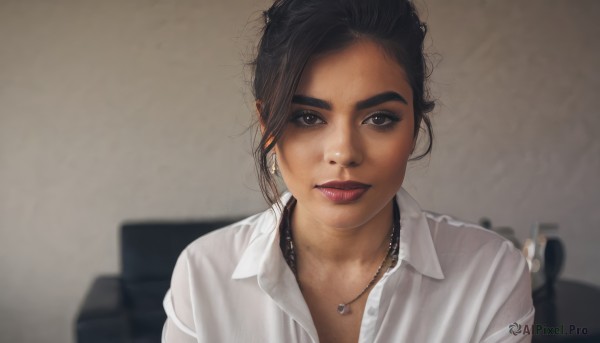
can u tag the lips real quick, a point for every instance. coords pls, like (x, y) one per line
(343, 191)
(344, 185)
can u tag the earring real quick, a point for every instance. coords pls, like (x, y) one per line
(273, 167)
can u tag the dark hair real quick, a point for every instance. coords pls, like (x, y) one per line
(296, 30)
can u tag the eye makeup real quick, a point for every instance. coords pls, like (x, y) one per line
(389, 117)
(307, 119)
(299, 117)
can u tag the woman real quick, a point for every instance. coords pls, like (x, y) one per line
(345, 254)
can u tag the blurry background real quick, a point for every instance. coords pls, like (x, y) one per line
(115, 110)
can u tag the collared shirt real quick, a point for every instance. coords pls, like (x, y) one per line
(454, 282)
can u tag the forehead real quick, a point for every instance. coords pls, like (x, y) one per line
(357, 71)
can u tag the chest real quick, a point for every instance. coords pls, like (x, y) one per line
(330, 324)
(249, 314)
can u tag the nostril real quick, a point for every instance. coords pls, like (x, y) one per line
(350, 158)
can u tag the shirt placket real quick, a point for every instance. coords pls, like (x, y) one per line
(369, 324)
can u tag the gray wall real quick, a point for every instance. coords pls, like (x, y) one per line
(114, 110)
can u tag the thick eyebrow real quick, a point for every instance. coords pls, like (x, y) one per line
(309, 101)
(380, 99)
(361, 105)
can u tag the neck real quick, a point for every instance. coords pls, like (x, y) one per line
(363, 244)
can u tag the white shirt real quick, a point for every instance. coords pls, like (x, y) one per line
(454, 282)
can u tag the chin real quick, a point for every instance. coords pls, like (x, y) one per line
(343, 217)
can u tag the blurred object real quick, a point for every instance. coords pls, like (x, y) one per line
(128, 307)
(545, 255)
(486, 223)
(573, 306)
(554, 259)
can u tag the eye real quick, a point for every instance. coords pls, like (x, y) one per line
(306, 118)
(382, 119)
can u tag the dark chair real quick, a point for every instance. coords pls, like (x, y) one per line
(128, 307)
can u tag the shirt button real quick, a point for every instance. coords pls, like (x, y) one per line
(372, 311)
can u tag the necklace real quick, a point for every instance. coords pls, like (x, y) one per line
(286, 244)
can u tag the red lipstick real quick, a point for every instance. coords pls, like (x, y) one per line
(343, 191)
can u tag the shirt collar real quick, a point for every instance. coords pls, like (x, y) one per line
(416, 243)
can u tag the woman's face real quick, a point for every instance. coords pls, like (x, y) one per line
(351, 119)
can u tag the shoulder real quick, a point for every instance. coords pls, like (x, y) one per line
(206, 264)
(225, 245)
(465, 248)
(486, 268)
(451, 235)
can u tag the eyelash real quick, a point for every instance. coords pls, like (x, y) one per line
(393, 119)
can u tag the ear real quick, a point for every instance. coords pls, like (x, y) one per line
(416, 137)
(259, 106)
(258, 103)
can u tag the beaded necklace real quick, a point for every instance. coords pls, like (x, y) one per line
(286, 243)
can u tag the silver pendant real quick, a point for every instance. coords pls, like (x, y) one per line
(343, 309)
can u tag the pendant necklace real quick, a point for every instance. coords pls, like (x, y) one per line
(286, 243)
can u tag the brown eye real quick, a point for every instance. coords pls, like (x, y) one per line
(304, 118)
(379, 119)
(382, 119)
(309, 119)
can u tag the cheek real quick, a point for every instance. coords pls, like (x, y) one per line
(296, 153)
(392, 157)
(395, 161)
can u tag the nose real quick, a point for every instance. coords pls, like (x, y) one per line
(343, 147)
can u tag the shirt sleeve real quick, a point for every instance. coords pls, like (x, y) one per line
(179, 326)
(509, 298)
